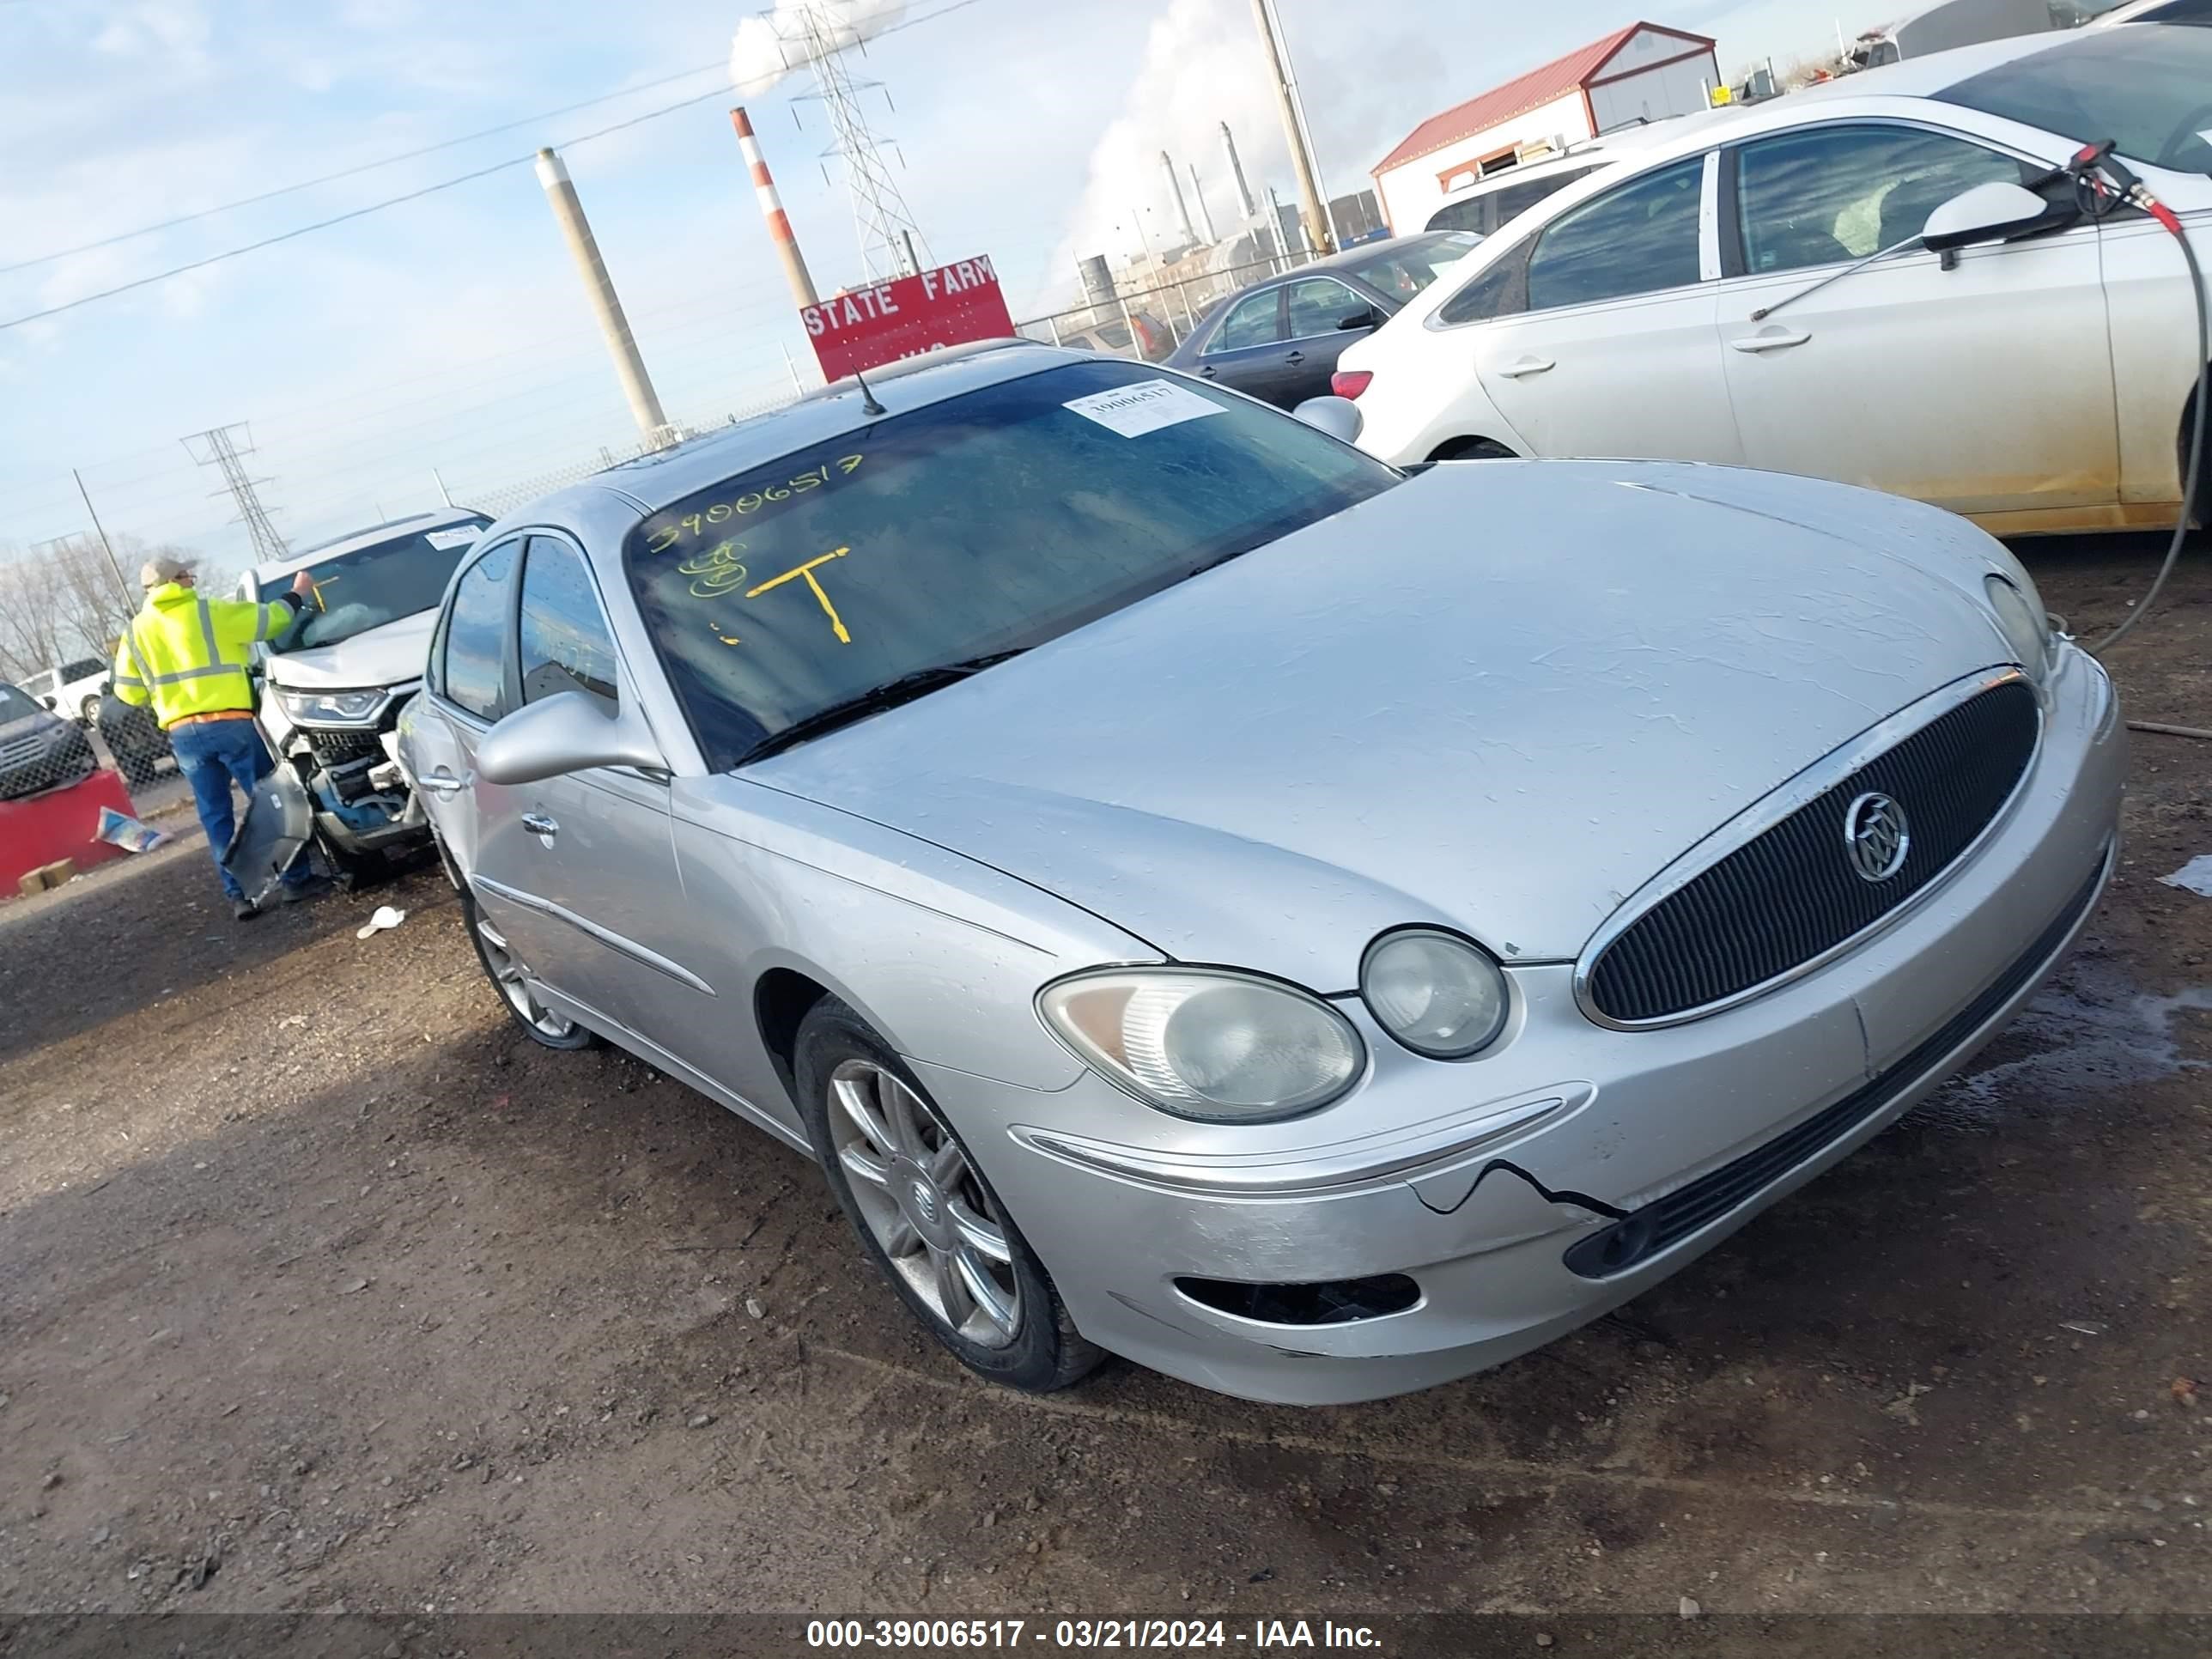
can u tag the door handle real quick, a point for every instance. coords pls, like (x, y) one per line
(1525, 367)
(1772, 340)
(1205, 372)
(439, 783)
(1296, 357)
(538, 825)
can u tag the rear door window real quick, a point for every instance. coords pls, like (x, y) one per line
(1459, 215)
(1254, 321)
(474, 672)
(1640, 238)
(1517, 199)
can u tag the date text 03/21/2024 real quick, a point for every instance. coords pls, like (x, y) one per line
(1259, 1634)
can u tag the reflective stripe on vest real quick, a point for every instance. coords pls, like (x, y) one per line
(207, 649)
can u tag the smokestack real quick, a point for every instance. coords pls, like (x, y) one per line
(1098, 291)
(1205, 213)
(1236, 173)
(1174, 190)
(771, 206)
(629, 367)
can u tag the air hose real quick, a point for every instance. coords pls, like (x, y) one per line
(2103, 184)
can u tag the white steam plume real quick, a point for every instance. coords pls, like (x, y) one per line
(769, 45)
(1201, 67)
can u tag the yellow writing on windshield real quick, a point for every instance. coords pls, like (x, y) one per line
(694, 525)
(717, 571)
(806, 572)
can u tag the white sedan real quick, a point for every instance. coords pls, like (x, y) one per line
(2039, 377)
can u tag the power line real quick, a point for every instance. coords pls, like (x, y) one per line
(417, 195)
(351, 172)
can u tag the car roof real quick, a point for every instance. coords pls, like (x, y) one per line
(414, 523)
(1869, 92)
(653, 481)
(1596, 154)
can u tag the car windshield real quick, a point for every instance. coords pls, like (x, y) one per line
(16, 704)
(1407, 269)
(371, 585)
(2146, 87)
(973, 527)
(83, 668)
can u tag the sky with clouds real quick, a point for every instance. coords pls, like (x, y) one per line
(452, 331)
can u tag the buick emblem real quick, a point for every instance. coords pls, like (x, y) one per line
(1877, 835)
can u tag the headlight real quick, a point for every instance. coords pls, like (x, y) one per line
(1206, 1043)
(332, 708)
(2027, 629)
(1435, 992)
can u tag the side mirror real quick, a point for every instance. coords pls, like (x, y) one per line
(1987, 213)
(1337, 417)
(1369, 318)
(566, 732)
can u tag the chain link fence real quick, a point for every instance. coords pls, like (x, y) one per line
(499, 500)
(1149, 323)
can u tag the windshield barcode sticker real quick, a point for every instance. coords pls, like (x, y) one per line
(462, 536)
(1146, 406)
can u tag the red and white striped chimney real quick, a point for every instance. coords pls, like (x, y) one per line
(771, 206)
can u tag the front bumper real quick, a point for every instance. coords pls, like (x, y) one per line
(352, 813)
(1596, 1162)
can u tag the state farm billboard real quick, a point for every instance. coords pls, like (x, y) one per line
(865, 328)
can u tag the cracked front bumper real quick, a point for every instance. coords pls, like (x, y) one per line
(1505, 1185)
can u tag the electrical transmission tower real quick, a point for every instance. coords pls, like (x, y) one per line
(815, 37)
(218, 449)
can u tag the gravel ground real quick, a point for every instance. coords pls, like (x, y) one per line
(319, 1287)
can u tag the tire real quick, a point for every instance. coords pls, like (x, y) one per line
(546, 1029)
(1025, 1340)
(87, 712)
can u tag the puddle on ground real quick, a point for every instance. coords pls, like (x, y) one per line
(2090, 1030)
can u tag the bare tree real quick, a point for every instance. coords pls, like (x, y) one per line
(30, 614)
(99, 607)
(62, 602)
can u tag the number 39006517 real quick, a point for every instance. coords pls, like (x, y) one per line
(696, 524)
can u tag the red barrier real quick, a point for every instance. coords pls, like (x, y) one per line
(58, 824)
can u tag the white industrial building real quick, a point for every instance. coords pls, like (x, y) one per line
(1642, 73)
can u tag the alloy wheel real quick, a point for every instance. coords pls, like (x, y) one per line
(515, 985)
(935, 1223)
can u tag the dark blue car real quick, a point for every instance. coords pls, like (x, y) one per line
(1280, 338)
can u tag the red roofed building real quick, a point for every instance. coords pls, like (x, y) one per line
(1640, 73)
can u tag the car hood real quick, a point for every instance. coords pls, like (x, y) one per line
(1499, 697)
(392, 654)
(24, 726)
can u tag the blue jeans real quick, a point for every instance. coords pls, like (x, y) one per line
(213, 754)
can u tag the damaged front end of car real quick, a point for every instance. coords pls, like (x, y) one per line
(342, 747)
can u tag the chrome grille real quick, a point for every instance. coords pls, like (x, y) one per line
(1791, 894)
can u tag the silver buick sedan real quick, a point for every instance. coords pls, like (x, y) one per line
(1204, 895)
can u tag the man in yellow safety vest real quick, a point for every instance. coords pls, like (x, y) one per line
(188, 656)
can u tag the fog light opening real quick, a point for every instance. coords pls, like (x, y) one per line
(1334, 1302)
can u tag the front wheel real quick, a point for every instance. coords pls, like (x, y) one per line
(512, 981)
(925, 1215)
(87, 712)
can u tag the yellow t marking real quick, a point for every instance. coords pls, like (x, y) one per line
(807, 571)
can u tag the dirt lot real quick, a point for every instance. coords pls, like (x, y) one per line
(321, 1287)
